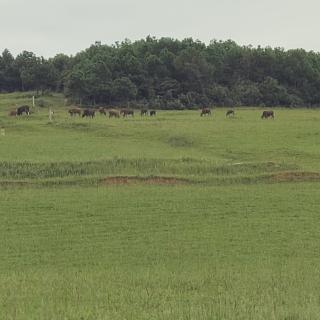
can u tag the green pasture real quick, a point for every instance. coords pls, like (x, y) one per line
(172, 217)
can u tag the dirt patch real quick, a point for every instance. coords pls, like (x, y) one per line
(295, 176)
(144, 180)
(15, 184)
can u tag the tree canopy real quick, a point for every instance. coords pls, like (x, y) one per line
(171, 74)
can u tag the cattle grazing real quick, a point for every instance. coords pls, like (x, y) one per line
(205, 111)
(230, 113)
(75, 111)
(102, 111)
(114, 114)
(267, 114)
(23, 109)
(153, 113)
(127, 112)
(13, 113)
(144, 112)
(88, 113)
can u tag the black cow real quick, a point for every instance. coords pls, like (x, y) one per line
(230, 113)
(267, 114)
(88, 113)
(23, 109)
(153, 113)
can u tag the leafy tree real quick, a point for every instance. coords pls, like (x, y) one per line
(123, 89)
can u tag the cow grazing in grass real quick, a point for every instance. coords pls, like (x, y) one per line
(13, 113)
(153, 113)
(102, 111)
(114, 114)
(127, 112)
(23, 109)
(205, 112)
(267, 114)
(88, 113)
(75, 111)
(230, 113)
(144, 112)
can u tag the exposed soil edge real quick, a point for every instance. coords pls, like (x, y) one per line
(153, 180)
(295, 176)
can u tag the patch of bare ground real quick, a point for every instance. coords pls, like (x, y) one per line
(295, 176)
(16, 184)
(127, 180)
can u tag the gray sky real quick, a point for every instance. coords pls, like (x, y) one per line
(47, 27)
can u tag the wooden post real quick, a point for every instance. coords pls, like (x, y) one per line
(50, 114)
(33, 102)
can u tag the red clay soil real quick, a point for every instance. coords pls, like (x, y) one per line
(295, 176)
(144, 180)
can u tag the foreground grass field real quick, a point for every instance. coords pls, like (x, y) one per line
(176, 217)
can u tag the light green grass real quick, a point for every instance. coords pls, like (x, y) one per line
(238, 239)
(291, 137)
(242, 252)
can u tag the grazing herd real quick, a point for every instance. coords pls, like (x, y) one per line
(114, 113)
(231, 113)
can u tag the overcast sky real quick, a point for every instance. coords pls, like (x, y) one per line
(48, 27)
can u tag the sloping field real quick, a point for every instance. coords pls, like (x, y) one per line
(173, 217)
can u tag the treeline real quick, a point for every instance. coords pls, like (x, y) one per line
(171, 74)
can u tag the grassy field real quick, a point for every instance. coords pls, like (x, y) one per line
(173, 217)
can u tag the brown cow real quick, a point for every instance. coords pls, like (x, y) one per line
(13, 113)
(127, 112)
(267, 114)
(205, 111)
(144, 112)
(114, 114)
(75, 111)
(102, 111)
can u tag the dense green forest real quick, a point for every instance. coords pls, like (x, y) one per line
(170, 74)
